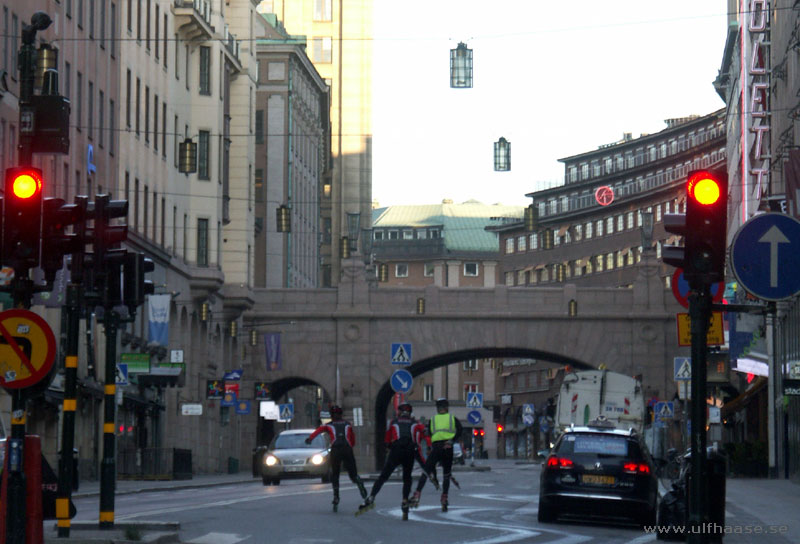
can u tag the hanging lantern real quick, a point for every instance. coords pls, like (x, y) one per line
(234, 329)
(547, 239)
(502, 155)
(254, 338)
(420, 306)
(383, 273)
(344, 247)
(204, 311)
(187, 157)
(46, 59)
(573, 308)
(283, 218)
(461, 67)
(353, 224)
(531, 218)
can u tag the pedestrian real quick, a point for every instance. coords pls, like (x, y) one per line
(444, 430)
(343, 438)
(403, 437)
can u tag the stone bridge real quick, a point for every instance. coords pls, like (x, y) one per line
(340, 338)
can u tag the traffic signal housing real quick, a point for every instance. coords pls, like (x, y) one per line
(22, 218)
(107, 257)
(706, 226)
(135, 286)
(56, 242)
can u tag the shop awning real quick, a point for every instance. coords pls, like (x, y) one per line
(742, 400)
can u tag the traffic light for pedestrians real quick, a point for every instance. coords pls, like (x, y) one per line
(22, 217)
(706, 225)
(56, 242)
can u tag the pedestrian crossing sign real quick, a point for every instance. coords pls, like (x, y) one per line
(664, 410)
(401, 353)
(474, 400)
(285, 412)
(683, 368)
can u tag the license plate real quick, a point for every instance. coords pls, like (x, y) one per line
(598, 479)
(293, 469)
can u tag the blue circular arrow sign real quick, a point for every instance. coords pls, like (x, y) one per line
(765, 256)
(474, 417)
(401, 381)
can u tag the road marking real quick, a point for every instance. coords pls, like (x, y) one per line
(642, 539)
(218, 538)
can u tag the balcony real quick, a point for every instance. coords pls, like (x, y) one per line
(232, 46)
(193, 19)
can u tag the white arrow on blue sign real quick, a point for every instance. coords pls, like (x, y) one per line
(765, 256)
(474, 400)
(122, 374)
(401, 381)
(474, 417)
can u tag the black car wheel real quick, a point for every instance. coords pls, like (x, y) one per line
(267, 481)
(276, 481)
(545, 513)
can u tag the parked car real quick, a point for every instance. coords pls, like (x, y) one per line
(291, 457)
(599, 471)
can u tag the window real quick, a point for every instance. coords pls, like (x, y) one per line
(100, 120)
(91, 19)
(79, 15)
(259, 126)
(164, 130)
(428, 272)
(130, 15)
(111, 127)
(155, 34)
(509, 245)
(90, 110)
(147, 113)
(471, 364)
(205, 70)
(322, 10)
(609, 225)
(620, 223)
(103, 23)
(534, 240)
(427, 393)
(321, 50)
(147, 26)
(203, 159)
(471, 269)
(630, 220)
(401, 270)
(509, 279)
(155, 123)
(408, 234)
(138, 20)
(128, 100)
(165, 42)
(202, 242)
(599, 227)
(470, 388)
(79, 101)
(588, 231)
(610, 261)
(521, 243)
(138, 96)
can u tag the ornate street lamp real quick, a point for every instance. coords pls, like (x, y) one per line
(647, 231)
(502, 155)
(366, 245)
(187, 157)
(531, 217)
(283, 218)
(461, 67)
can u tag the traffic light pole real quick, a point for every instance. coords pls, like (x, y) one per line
(699, 313)
(108, 470)
(65, 463)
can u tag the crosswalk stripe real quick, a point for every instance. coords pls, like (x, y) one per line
(218, 538)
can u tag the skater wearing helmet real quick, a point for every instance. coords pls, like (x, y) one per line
(342, 441)
(444, 430)
(403, 436)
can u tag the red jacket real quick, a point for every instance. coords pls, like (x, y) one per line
(418, 433)
(339, 427)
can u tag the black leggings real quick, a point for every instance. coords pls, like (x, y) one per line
(342, 456)
(398, 455)
(438, 454)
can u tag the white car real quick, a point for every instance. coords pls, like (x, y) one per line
(291, 457)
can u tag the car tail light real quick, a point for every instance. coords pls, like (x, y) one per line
(636, 468)
(559, 462)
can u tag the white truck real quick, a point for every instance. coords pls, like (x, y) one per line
(587, 394)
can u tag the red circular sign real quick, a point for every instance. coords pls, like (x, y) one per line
(27, 348)
(680, 288)
(604, 195)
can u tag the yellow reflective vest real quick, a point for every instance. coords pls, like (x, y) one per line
(443, 427)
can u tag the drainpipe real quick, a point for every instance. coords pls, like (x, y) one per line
(289, 181)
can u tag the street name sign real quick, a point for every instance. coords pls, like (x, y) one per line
(765, 256)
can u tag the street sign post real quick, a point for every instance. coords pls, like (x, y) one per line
(765, 256)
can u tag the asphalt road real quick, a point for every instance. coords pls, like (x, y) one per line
(491, 507)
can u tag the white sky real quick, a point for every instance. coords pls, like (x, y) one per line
(556, 78)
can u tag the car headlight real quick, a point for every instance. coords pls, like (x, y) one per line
(270, 460)
(317, 459)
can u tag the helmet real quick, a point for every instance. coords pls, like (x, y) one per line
(404, 407)
(442, 403)
(336, 410)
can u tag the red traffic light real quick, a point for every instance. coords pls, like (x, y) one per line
(499, 427)
(474, 432)
(26, 183)
(704, 188)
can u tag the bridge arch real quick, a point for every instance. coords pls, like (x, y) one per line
(384, 397)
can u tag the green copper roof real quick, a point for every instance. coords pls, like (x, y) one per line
(463, 225)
